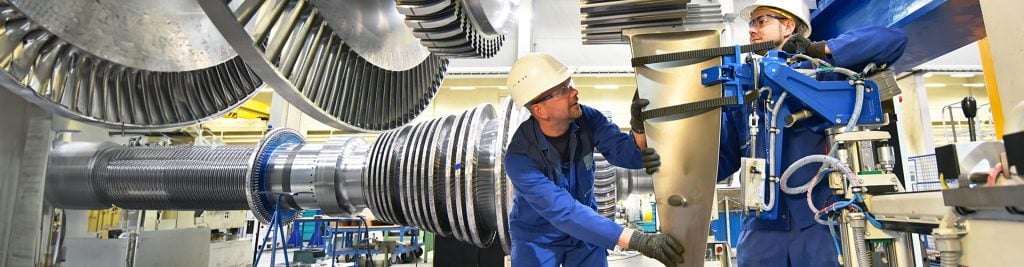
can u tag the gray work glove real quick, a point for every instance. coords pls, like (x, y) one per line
(657, 246)
(636, 114)
(797, 44)
(652, 162)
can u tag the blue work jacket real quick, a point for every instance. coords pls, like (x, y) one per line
(554, 202)
(852, 50)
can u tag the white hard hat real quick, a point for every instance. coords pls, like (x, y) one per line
(796, 8)
(533, 74)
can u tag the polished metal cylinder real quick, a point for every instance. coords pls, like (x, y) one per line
(96, 176)
(886, 157)
(633, 181)
(69, 182)
(291, 170)
(444, 175)
(179, 178)
(319, 176)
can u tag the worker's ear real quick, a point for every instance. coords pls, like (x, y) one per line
(789, 27)
(538, 111)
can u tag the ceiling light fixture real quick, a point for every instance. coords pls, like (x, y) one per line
(934, 85)
(961, 75)
(974, 85)
(462, 88)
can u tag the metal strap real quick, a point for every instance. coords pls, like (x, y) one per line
(706, 53)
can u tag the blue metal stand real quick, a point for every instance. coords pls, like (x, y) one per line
(352, 237)
(276, 229)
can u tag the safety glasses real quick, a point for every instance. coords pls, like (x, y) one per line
(759, 21)
(559, 90)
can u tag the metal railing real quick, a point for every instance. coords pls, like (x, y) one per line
(954, 128)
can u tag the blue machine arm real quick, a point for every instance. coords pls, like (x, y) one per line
(830, 103)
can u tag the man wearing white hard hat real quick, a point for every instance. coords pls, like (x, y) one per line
(795, 238)
(550, 162)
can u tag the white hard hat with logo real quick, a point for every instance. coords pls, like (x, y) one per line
(797, 8)
(534, 74)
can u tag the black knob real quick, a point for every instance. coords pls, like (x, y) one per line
(970, 107)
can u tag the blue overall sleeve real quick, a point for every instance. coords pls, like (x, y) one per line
(731, 142)
(558, 206)
(617, 147)
(856, 48)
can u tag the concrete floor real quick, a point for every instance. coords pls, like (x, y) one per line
(615, 259)
(378, 259)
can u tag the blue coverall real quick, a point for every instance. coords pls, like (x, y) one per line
(795, 239)
(554, 219)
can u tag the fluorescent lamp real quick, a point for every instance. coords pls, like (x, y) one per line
(934, 85)
(503, 87)
(606, 86)
(961, 75)
(926, 75)
(974, 85)
(462, 88)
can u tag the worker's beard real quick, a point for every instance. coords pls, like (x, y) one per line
(779, 42)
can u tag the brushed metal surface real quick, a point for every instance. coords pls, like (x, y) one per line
(686, 145)
(375, 30)
(68, 183)
(311, 63)
(349, 175)
(149, 34)
(493, 17)
(76, 82)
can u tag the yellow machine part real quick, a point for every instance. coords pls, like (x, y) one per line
(252, 109)
(101, 221)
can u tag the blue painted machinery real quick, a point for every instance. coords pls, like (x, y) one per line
(775, 90)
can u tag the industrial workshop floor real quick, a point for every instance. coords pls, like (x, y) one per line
(614, 260)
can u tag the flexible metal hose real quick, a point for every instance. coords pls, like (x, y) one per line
(859, 224)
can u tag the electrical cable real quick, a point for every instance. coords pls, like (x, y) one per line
(827, 160)
(771, 149)
(993, 174)
(873, 221)
(854, 116)
(832, 231)
(814, 182)
(841, 70)
(814, 61)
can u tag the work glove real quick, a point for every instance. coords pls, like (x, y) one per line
(636, 114)
(797, 44)
(651, 160)
(657, 246)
